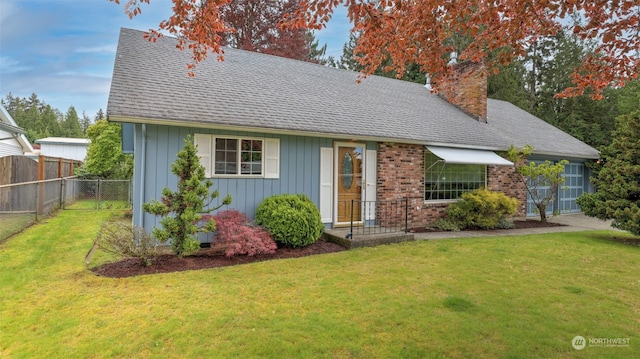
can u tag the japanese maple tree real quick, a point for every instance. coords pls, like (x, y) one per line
(423, 31)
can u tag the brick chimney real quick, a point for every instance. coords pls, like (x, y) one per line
(466, 87)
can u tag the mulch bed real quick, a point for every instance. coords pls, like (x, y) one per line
(206, 258)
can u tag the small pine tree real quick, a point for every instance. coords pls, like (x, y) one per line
(618, 181)
(538, 177)
(187, 204)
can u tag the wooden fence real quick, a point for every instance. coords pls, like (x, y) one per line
(20, 169)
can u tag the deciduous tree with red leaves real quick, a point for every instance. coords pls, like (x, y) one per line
(421, 32)
(256, 28)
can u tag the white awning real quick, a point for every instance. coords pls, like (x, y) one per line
(468, 156)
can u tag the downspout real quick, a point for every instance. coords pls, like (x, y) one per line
(142, 173)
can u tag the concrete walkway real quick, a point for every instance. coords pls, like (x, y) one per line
(570, 223)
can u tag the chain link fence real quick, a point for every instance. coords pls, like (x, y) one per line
(22, 204)
(97, 194)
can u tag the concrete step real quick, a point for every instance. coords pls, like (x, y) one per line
(339, 236)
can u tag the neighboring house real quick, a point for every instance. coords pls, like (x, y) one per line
(13, 142)
(63, 147)
(267, 125)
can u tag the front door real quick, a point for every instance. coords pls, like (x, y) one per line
(349, 183)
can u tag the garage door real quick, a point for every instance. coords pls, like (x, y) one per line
(573, 187)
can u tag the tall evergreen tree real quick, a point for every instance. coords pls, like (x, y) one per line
(34, 101)
(629, 97)
(349, 60)
(11, 103)
(510, 85)
(70, 127)
(618, 181)
(316, 52)
(37, 118)
(588, 120)
(48, 123)
(99, 116)
(85, 122)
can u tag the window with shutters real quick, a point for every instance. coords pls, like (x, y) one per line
(230, 156)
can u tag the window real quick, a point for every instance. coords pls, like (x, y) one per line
(444, 181)
(235, 156)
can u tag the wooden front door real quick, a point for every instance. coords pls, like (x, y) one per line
(349, 183)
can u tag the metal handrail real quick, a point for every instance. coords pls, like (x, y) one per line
(389, 216)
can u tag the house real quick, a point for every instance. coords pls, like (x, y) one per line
(64, 147)
(13, 141)
(267, 125)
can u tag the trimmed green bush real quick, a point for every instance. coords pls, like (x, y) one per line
(482, 209)
(506, 223)
(445, 225)
(293, 220)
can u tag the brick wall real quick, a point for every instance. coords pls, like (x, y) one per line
(505, 179)
(466, 87)
(401, 175)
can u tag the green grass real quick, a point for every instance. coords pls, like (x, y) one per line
(93, 204)
(506, 297)
(11, 223)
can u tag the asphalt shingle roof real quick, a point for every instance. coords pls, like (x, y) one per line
(247, 89)
(523, 128)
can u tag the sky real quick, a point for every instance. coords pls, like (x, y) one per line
(63, 50)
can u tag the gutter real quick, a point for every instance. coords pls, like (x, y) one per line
(335, 136)
(142, 173)
(280, 131)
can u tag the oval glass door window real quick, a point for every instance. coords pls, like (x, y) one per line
(347, 171)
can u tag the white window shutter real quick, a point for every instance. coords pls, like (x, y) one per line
(371, 169)
(204, 152)
(326, 184)
(271, 153)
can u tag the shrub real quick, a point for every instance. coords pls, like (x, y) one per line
(240, 236)
(445, 225)
(292, 219)
(125, 240)
(481, 208)
(505, 223)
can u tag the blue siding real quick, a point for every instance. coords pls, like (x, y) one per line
(299, 169)
(127, 137)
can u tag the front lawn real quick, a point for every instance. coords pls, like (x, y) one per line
(506, 297)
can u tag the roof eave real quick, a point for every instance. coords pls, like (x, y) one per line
(279, 131)
(10, 128)
(568, 156)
